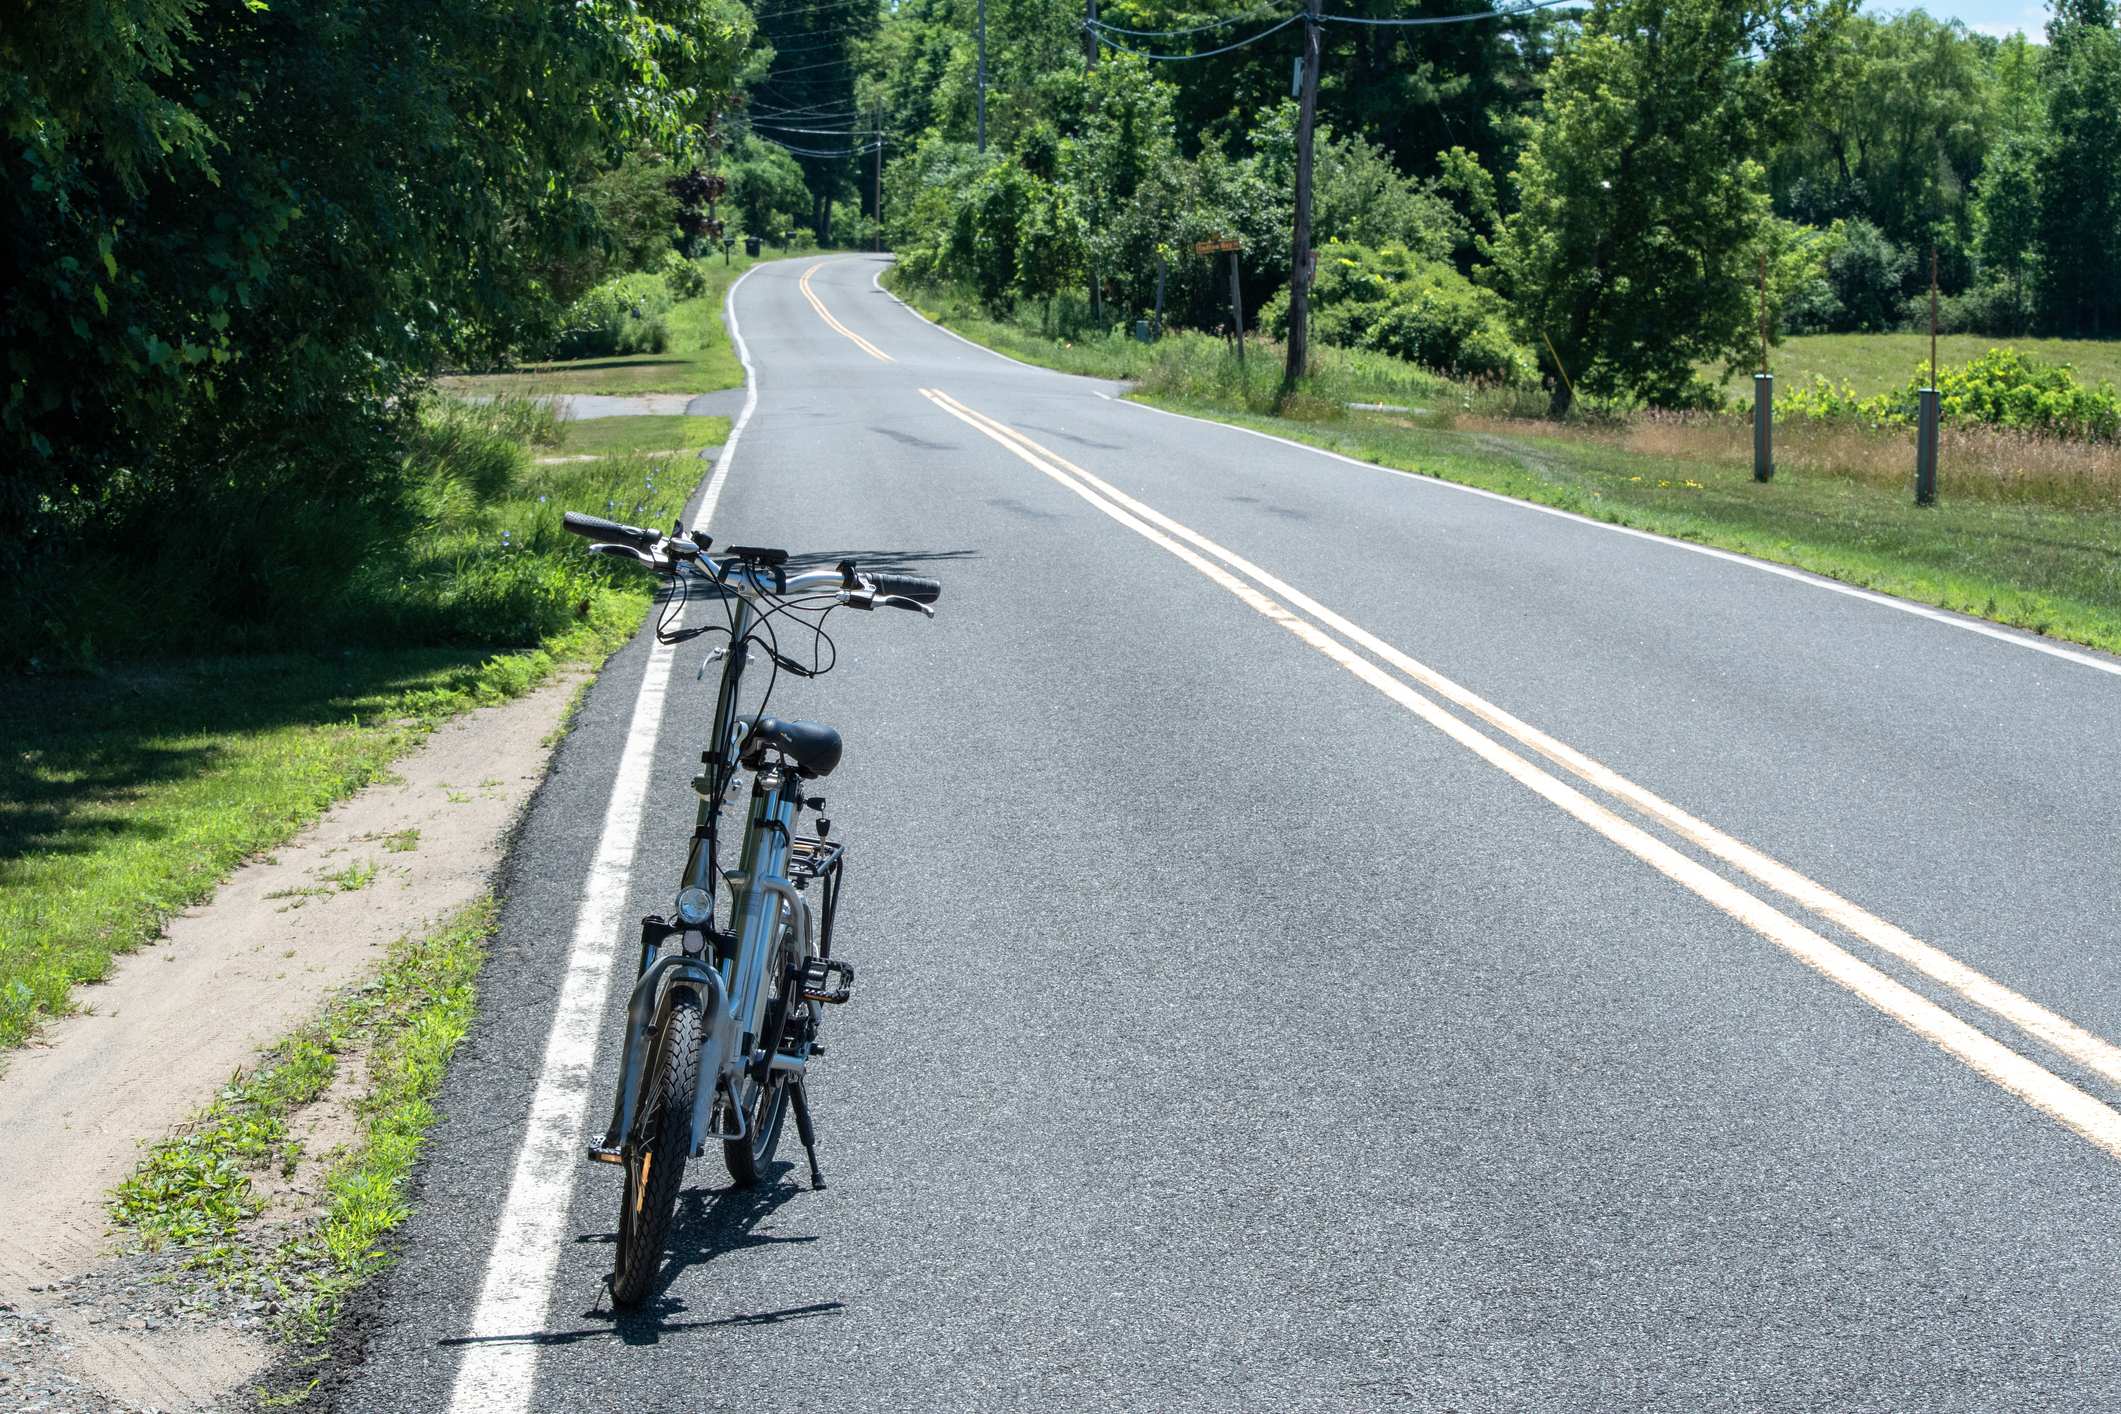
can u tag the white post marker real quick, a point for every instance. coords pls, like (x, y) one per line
(500, 1362)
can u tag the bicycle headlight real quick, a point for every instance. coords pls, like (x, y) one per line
(695, 906)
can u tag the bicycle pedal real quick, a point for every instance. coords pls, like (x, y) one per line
(598, 1154)
(818, 980)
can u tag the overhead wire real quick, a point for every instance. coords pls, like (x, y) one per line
(1501, 14)
(1203, 54)
(1196, 29)
(1105, 31)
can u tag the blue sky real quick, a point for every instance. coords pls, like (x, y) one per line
(1998, 17)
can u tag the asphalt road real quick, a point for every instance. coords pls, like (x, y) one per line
(1232, 1037)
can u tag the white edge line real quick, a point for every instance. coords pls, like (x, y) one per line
(2037, 1021)
(2035, 1084)
(500, 1365)
(878, 280)
(1816, 581)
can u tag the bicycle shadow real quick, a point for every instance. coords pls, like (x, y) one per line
(711, 1224)
(889, 561)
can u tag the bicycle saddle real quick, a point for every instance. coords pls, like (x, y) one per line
(812, 746)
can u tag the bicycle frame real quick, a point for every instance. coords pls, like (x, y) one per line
(732, 980)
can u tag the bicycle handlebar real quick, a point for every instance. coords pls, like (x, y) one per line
(865, 590)
(906, 586)
(610, 532)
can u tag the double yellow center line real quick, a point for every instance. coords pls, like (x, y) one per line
(825, 314)
(2033, 1083)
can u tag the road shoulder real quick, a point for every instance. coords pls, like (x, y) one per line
(154, 1044)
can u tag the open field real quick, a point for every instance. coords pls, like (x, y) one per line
(1873, 363)
(700, 358)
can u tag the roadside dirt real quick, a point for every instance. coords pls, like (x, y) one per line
(92, 1332)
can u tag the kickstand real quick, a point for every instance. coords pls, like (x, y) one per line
(809, 1134)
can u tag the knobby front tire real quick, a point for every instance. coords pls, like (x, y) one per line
(656, 1171)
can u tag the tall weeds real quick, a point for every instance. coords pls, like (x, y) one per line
(1973, 463)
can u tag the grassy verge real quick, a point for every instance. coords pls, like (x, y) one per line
(199, 1190)
(601, 435)
(2050, 571)
(127, 794)
(700, 358)
(2042, 553)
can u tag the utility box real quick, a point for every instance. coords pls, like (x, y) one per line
(1141, 330)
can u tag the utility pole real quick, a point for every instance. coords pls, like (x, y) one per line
(982, 75)
(1300, 258)
(880, 175)
(1089, 35)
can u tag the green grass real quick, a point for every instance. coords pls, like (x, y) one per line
(700, 358)
(195, 1191)
(1874, 363)
(128, 794)
(598, 435)
(2053, 569)
(2053, 572)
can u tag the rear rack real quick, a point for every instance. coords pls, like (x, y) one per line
(823, 860)
(813, 859)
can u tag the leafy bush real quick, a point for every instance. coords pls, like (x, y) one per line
(1393, 301)
(622, 316)
(764, 184)
(683, 278)
(2002, 388)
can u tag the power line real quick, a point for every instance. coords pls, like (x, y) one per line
(827, 132)
(1203, 54)
(806, 49)
(1453, 19)
(780, 73)
(862, 151)
(810, 9)
(1164, 33)
(1104, 30)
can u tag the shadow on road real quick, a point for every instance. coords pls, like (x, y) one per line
(708, 1224)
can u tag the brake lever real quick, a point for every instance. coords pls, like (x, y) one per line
(607, 548)
(897, 601)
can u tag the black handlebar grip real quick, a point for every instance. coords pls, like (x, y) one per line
(608, 531)
(906, 586)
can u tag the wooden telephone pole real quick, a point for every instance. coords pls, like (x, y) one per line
(981, 85)
(1300, 257)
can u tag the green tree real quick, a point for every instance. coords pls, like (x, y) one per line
(1895, 135)
(806, 101)
(235, 256)
(1643, 203)
(2079, 177)
(2007, 229)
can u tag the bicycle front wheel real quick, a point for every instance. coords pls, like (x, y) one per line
(655, 1168)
